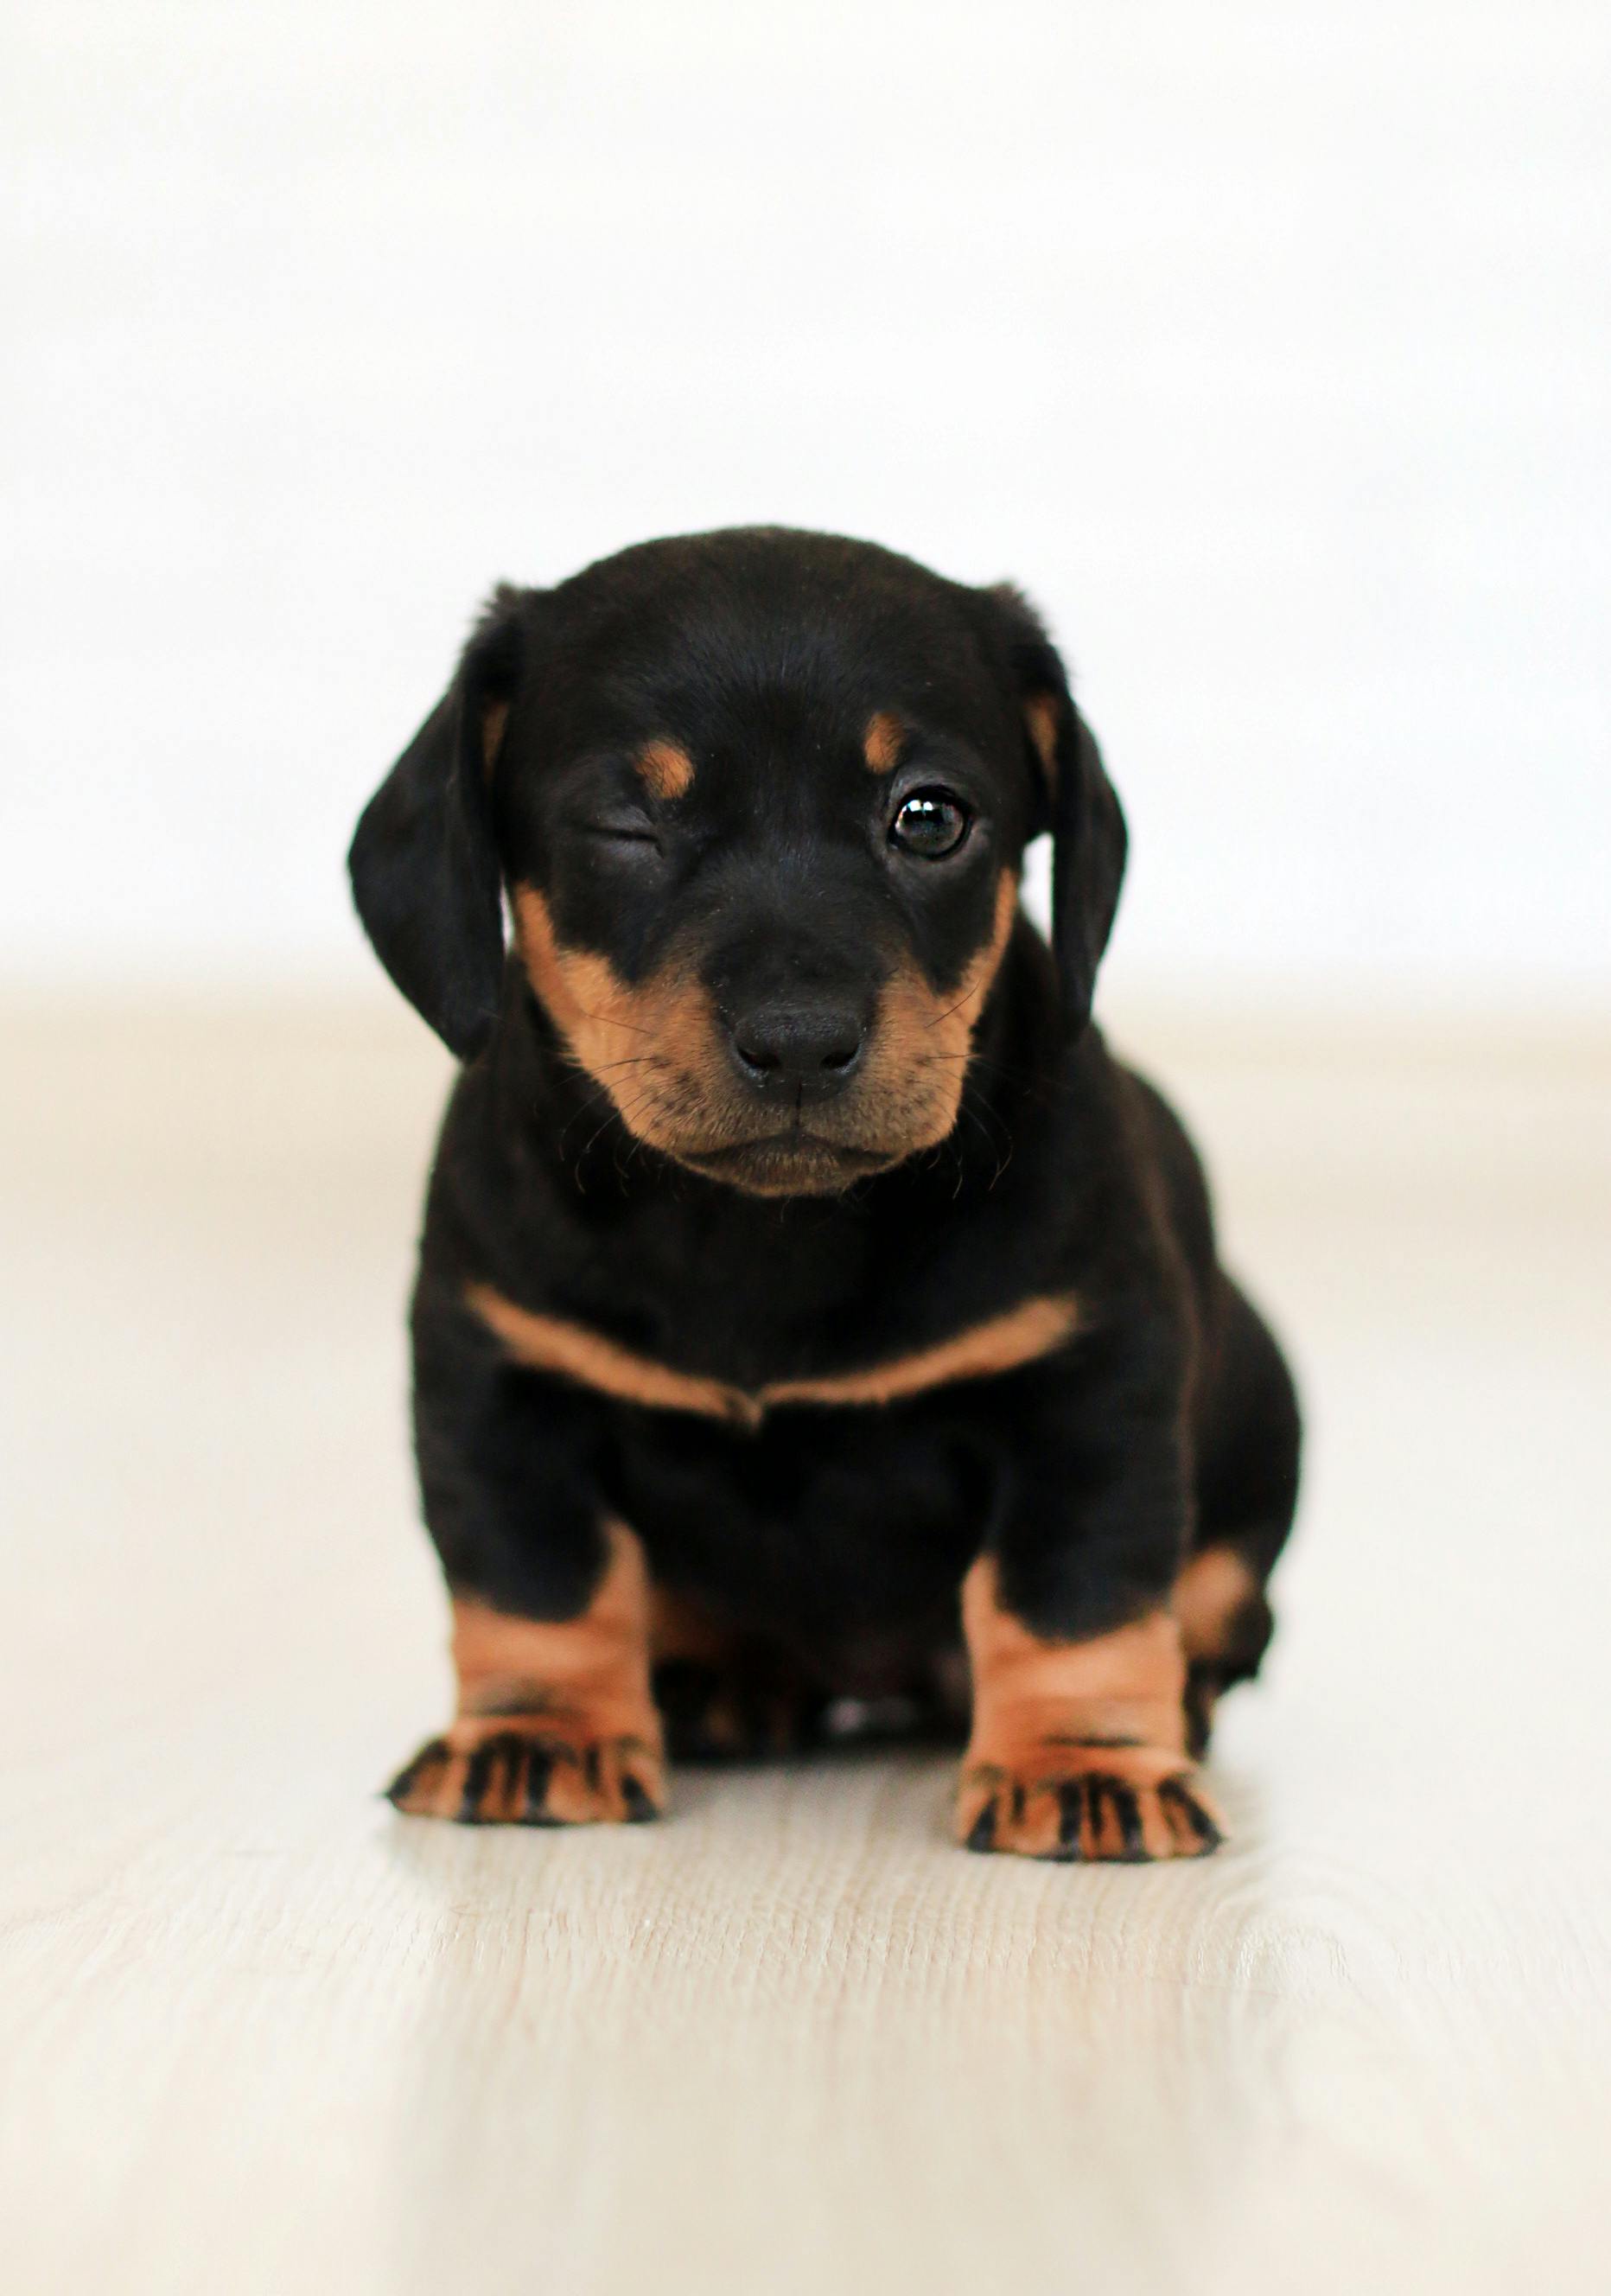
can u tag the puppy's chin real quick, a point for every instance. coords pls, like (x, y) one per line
(820, 1151)
(789, 1164)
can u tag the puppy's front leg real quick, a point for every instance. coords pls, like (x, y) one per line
(555, 1724)
(1078, 1743)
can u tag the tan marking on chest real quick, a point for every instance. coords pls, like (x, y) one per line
(550, 1343)
(1000, 1344)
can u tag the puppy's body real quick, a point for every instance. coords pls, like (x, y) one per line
(730, 1366)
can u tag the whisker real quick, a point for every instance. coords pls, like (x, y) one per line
(589, 1100)
(966, 997)
(609, 1020)
(603, 1090)
(624, 1113)
(1003, 1157)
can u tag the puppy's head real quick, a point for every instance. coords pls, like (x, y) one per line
(758, 802)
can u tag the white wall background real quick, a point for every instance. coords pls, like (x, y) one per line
(1269, 345)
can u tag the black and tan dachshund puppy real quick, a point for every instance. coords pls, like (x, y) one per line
(815, 1327)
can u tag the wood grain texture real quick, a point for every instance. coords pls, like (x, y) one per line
(257, 2034)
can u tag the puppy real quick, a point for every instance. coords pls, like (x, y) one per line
(816, 1329)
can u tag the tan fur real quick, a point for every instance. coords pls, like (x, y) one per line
(549, 1343)
(666, 770)
(658, 1049)
(594, 1667)
(919, 1055)
(1125, 1684)
(570, 1695)
(882, 743)
(1211, 1592)
(1000, 1344)
(653, 1046)
(1048, 1716)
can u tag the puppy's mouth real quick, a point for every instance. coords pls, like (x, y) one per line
(792, 1163)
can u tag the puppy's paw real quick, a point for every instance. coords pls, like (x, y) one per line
(532, 1770)
(1113, 1803)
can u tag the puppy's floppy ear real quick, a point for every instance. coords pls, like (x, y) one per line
(423, 862)
(1075, 800)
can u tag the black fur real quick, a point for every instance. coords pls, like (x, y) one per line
(424, 862)
(834, 1536)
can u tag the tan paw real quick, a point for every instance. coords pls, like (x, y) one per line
(531, 1770)
(1112, 1803)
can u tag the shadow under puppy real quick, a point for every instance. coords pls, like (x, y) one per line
(796, 1259)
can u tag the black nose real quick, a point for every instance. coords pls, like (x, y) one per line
(799, 1052)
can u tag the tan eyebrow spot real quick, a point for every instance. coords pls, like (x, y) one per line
(882, 741)
(665, 769)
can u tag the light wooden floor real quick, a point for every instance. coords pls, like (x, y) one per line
(257, 2034)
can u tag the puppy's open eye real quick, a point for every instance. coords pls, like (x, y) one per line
(931, 823)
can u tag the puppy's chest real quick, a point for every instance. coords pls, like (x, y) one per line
(821, 1524)
(836, 1313)
(752, 1310)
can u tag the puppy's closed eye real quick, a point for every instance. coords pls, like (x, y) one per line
(624, 825)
